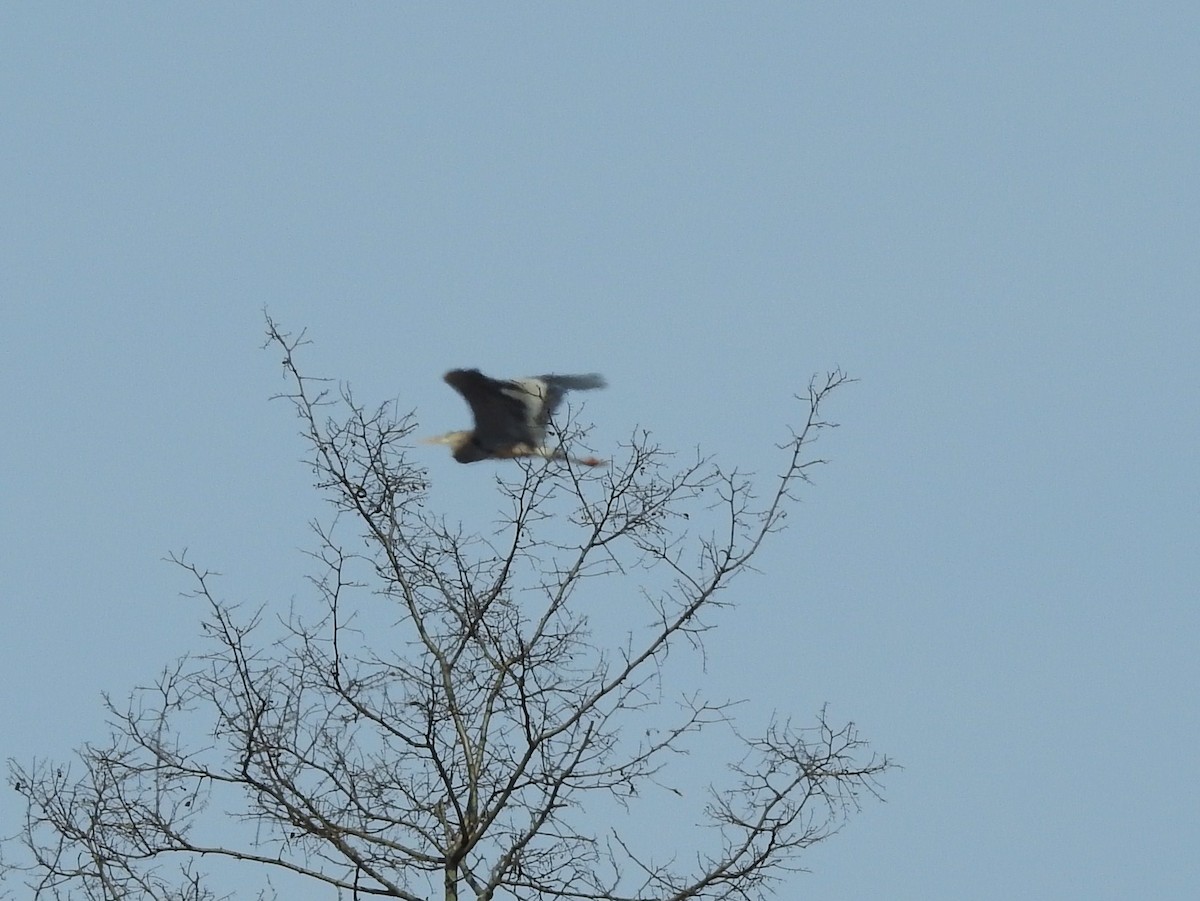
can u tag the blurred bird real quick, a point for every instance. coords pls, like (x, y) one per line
(511, 416)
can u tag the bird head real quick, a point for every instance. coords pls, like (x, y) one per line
(460, 444)
(454, 439)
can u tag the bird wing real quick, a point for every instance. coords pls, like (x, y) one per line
(552, 388)
(538, 399)
(500, 408)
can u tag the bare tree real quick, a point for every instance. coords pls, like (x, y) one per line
(452, 718)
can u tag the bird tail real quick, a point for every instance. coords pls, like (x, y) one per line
(575, 382)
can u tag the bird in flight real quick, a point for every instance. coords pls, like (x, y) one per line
(511, 416)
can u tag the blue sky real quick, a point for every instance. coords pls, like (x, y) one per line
(987, 212)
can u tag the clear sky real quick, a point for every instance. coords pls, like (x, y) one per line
(987, 212)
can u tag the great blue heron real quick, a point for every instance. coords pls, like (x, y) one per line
(511, 416)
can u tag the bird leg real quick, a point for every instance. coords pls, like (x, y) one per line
(548, 453)
(589, 461)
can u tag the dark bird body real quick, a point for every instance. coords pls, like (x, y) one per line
(511, 416)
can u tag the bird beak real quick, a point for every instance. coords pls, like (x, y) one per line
(436, 439)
